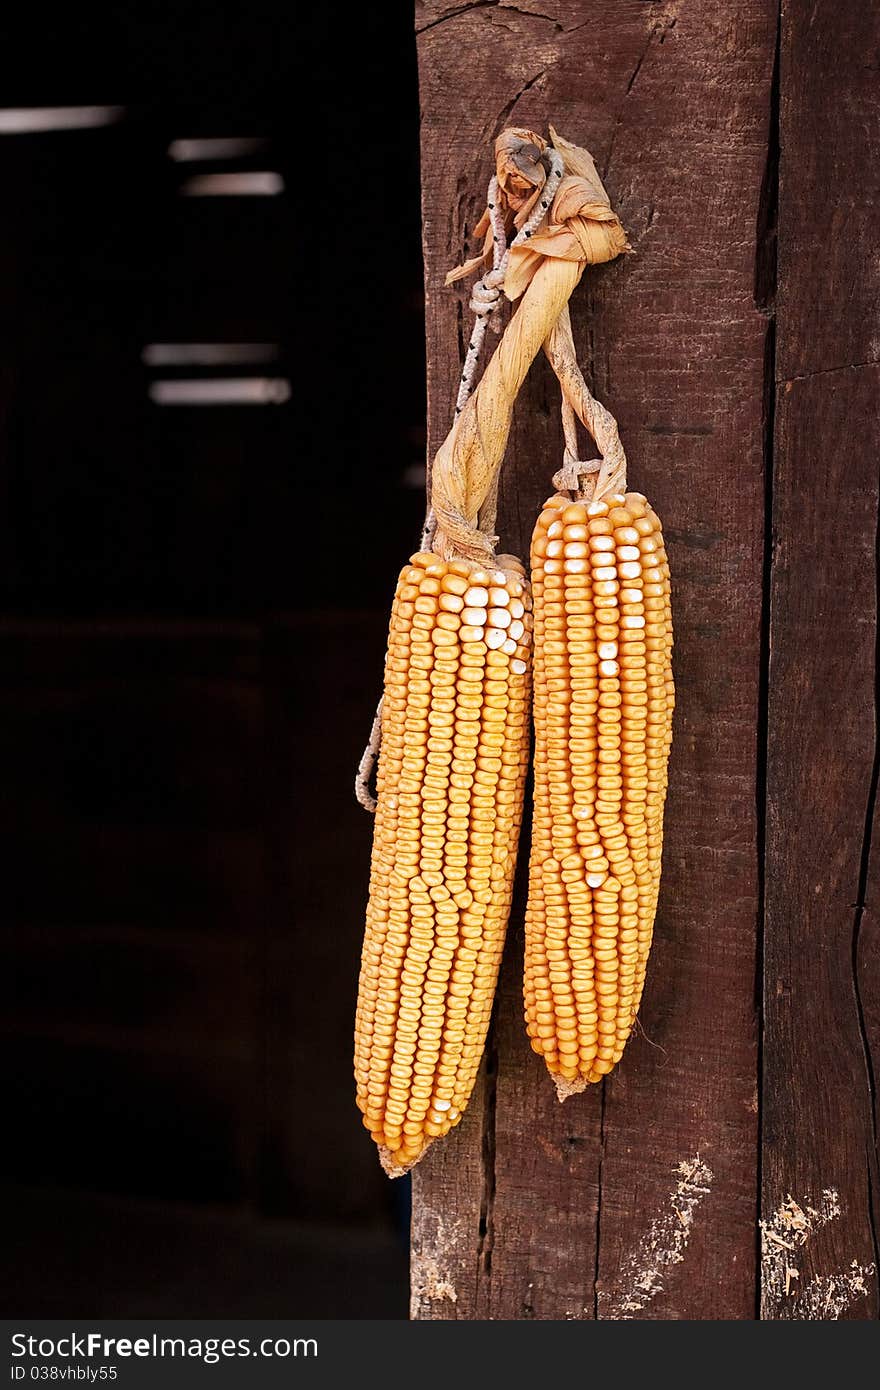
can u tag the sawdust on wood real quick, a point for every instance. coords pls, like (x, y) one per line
(783, 1237)
(430, 1282)
(826, 1298)
(434, 1284)
(789, 1228)
(663, 1245)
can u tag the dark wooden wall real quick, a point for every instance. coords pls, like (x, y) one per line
(728, 1168)
(188, 667)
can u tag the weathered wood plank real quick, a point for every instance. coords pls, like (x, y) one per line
(557, 1205)
(818, 1133)
(822, 969)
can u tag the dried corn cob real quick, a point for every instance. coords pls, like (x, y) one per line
(603, 704)
(452, 767)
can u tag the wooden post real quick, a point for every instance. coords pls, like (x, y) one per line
(639, 1198)
(822, 932)
(728, 1167)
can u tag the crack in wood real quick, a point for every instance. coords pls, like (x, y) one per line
(599, 1195)
(637, 69)
(862, 898)
(458, 10)
(766, 286)
(676, 430)
(505, 112)
(486, 1238)
(763, 740)
(533, 14)
(657, 29)
(454, 13)
(766, 234)
(826, 371)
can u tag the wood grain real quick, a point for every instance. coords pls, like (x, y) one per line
(558, 1204)
(818, 1125)
(822, 968)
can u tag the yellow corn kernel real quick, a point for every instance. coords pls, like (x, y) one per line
(450, 781)
(603, 704)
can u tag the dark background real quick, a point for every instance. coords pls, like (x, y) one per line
(193, 603)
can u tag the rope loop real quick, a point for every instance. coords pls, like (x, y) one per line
(367, 764)
(486, 295)
(574, 472)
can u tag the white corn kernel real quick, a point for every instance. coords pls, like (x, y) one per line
(476, 597)
(499, 617)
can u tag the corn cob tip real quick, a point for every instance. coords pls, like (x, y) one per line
(565, 1088)
(390, 1165)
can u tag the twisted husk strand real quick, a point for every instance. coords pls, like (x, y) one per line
(465, 472)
